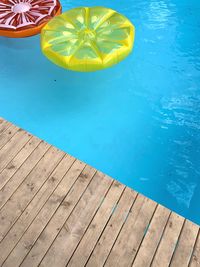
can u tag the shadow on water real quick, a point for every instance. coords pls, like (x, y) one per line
(38, 79)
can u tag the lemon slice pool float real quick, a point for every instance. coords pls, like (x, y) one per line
(87, 39)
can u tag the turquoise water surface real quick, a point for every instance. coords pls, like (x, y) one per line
(138, 121)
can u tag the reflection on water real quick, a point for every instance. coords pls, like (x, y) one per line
(159, 14)
(182, 111)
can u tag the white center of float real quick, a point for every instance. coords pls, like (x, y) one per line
(21, 7)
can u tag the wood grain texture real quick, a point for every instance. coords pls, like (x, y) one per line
(57, 211)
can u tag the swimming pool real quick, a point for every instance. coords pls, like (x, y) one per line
(139, 121)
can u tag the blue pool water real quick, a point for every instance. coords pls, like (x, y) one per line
(138, 121)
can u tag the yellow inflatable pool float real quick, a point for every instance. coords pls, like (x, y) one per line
(87, 39)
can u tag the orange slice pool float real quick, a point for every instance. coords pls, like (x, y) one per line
(22, 18)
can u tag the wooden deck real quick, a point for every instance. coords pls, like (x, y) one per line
(57, 211)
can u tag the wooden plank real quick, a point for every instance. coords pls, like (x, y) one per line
(185, 245)
(53, 228)
(169, 241)
(25, 220)
(24, 194)
(7, 135)
(16, 163)
(195, 259)
(90, 238)
(4, 125)
(105, 243)
(152, 237)
(11, 149)
(9, 187)
(55, 212)
(75, 226)
(58, 205)
(126, 246)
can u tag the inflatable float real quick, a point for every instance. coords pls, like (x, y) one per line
(87, 39)
(22, 18)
